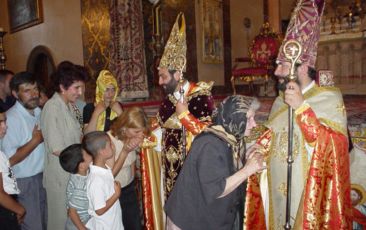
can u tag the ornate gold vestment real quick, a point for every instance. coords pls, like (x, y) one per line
(320, 196)
(161, 169)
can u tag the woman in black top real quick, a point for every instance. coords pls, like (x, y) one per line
(98, 115)
(209, 191)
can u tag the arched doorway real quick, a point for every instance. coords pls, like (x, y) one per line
(41, 64)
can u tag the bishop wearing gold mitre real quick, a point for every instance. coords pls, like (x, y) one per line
(184, 112)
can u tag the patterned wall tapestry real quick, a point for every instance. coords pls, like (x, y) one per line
(95, 23)
(127, 48)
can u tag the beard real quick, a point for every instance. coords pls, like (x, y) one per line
(281, 84)
(169, 88)
(31, 104)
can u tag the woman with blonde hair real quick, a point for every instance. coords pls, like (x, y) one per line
(100, 114)
(127, 134)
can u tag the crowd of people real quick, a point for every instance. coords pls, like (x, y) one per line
(65, 164)
(44, 152)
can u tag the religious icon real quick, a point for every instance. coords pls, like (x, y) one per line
(212, 31)
(24, 13)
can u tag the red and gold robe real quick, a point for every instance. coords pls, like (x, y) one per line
(160, 169)
(320, 196)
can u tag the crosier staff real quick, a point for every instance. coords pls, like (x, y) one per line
(292, 50)
(183, 60)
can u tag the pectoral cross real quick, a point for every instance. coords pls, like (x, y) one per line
(293, 50)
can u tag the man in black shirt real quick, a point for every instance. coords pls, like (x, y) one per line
(6, 99)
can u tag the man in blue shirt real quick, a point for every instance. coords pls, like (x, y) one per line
(23, 144)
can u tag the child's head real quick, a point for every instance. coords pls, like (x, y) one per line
(3, 126)
(98, 144)
(74, 159)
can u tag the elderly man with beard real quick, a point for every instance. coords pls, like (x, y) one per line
(23, 144)
(192, 114)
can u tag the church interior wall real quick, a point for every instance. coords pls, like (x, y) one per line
(60, 33)
(241, 37)
(286, 7)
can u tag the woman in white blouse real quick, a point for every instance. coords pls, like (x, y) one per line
(127, 133)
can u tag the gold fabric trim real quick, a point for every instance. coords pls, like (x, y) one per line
(282, 152)
(283, 188)
(173, 161)
(174, 56)
(173, 122)
(202, 85)
(302, 108)
(255, 133)
(269, 177)
(316, 90)
(154, 163)
(185, 113)
(311, 93)
(334, 125)
(305, 160)
(205, 119)
(194, 92)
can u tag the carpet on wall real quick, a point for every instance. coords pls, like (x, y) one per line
(95, 25)
(127, 61)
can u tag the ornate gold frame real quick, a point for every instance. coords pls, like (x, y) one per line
(24, 13)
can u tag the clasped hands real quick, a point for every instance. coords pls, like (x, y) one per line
(102, 106)
(255, 159)
(132, 143)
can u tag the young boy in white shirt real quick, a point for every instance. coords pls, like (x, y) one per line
(11, 212)
(76, 161)
(102, 190)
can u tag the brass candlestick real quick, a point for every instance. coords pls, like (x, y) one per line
(2, 52)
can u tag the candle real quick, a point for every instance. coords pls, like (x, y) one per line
(157, 25)
(153, 22)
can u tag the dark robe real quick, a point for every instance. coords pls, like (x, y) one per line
(200, 106)
(194, 204)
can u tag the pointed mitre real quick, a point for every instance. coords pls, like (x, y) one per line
(174, 56)
(304, 27)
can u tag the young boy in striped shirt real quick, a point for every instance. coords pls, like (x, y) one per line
(76, 161)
